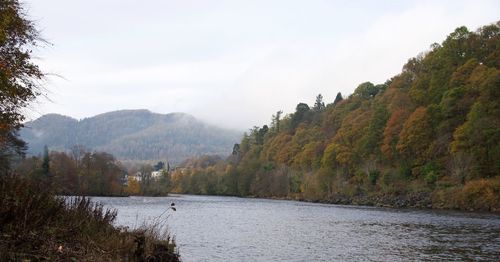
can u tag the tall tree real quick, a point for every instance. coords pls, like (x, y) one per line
(275, 121)
(160, 165)
(319, 105)
(366, 90)
(338, 98)
(300, 114)
(19, 76)
(46, 161)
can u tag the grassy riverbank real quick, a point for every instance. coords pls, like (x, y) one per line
(36, 225)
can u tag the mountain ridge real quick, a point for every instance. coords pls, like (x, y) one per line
(131, 134)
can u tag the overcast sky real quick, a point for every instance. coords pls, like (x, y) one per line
(230, 63)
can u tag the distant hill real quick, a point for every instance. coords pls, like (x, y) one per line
(131, 135)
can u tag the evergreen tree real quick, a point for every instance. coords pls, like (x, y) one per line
(275, 121)
(46, 162)
(338, 98)
(319, 105)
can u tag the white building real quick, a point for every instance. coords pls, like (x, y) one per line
(156, 174)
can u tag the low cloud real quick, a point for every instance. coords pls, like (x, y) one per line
(235, 64)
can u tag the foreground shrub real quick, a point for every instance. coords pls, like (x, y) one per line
(36, 225)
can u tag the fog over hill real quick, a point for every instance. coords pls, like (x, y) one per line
(131, 135)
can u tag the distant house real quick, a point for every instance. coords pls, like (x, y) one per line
(137, 176)
(156, 174)
(124, 179)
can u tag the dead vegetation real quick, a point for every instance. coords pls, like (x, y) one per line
(35, 225)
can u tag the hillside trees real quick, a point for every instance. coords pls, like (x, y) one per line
(430, 133)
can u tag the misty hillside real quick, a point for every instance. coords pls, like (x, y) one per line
(131, 135)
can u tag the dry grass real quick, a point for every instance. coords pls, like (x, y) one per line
(35, 225)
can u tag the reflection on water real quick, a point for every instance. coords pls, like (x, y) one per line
(209, 228)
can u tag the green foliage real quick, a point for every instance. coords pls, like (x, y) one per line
(338, 98)
(373, 176)
(431, 177)
(366, 90)
(275, 122)
(319, 105)
(46, 161)
(372, 139)
(404, 171)
(300, 115)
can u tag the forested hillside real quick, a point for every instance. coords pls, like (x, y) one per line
(429, 136)
(131, 135)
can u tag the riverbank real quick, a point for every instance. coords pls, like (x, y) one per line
(422, 200)
(481, 195)
(36, 225)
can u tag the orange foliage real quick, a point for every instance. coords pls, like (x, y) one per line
(481, 194)
(133, 188)
(416, 134)
(392, 129)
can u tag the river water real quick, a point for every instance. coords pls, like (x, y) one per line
(211, 228)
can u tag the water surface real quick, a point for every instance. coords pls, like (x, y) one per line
(211, 228)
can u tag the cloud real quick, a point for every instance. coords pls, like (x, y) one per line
(232, 63)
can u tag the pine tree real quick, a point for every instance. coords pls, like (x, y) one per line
(338, 98)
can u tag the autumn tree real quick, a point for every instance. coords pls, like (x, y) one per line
(372, 138)
(480, 134)
(19, 76)
(65, 173)
(415, 136)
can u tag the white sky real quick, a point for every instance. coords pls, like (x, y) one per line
(231, 63)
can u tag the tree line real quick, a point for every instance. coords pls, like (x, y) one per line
(82, 172)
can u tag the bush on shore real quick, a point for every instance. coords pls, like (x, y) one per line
(481, 195)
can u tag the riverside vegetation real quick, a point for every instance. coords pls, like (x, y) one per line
(428, 137)
(81, 172)
(35, 224)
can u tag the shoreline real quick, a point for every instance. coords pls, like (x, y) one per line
(356, 202)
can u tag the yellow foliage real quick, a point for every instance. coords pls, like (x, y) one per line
(308, 156)
(273, 150)
(481, 194)
(415, 135)
(133, 187)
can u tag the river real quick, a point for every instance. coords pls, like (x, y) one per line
(212, 228)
